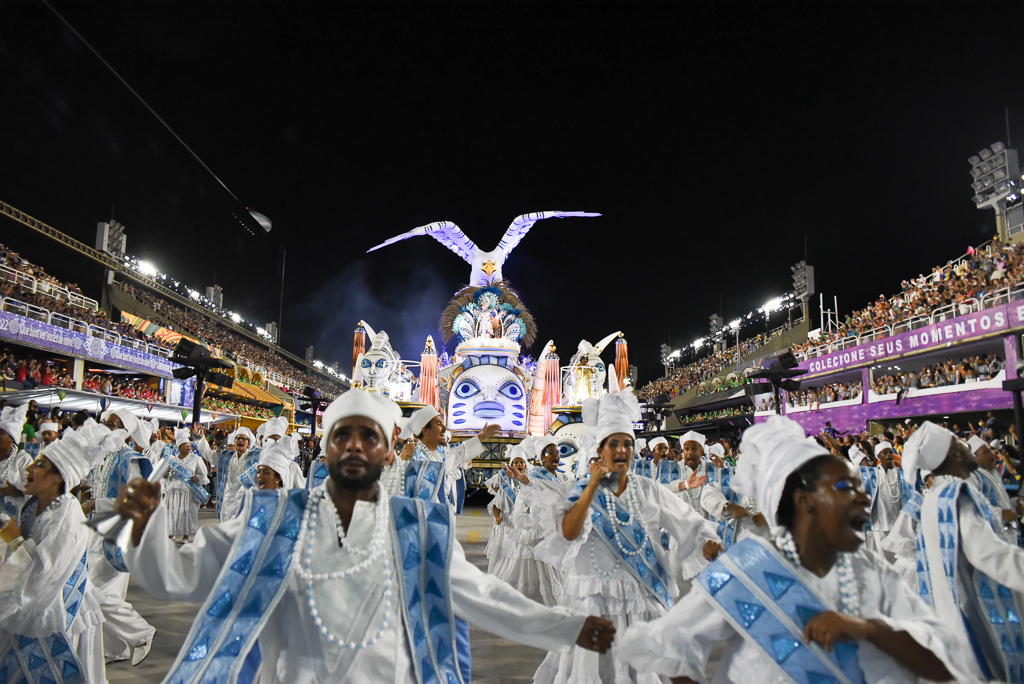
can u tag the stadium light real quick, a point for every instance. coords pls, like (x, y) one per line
(735, 324)
(146, 268)
(994, 171)
(697, 344)
(236, 318)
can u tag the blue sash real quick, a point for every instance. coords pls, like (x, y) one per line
(1003, 624)
(643, 467)
(727, 529)
(763, 599)
(50, 658)
(869, 476)
(317, 474)
(220, 645)
(425, 480)
(540, 473)
(507, 487)
(248, 478)
(32, 449)
(224, 463)
(424, 536)
(668, 471)
(458, 498)
(119, 473)
(643, 564)
(178, 470)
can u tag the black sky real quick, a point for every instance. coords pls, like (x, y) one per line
(712, 136)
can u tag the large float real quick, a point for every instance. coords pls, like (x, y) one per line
(488, 378)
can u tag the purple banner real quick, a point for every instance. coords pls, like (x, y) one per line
(954, 330)
(28, 331)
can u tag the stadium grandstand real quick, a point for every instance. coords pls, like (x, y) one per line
(62, 346)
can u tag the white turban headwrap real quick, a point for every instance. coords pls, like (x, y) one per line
(976, 442)
(640, 445)
(418, 421)
(881, 447)
(611, 414)
(248, 435)
(79, 451)
(181, 436)
(692, 436)
(770, 452)
(514, 451)
(12, 420)
(856, 455)
(48, 427)
(280, 457)
(926, 449)
(356, 402)
(588, 450)
(275, 426)
(543, 443)
(655, 442)
(717, 449)
(132, 424)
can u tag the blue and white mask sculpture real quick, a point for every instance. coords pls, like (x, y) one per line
(586, 374)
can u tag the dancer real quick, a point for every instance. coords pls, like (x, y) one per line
(372, 592)
(505, 489)
(966, 569)
(277, 468)
(605, 538)
(986, 479)
(14, 463)
(49, 613)
(184, 488)
(229, 468)
(812, 607)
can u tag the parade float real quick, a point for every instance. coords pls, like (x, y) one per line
(489, 378)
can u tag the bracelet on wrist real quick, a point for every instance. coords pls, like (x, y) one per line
(15, 543)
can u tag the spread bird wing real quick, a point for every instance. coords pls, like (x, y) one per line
(445, 232)
(521, 226)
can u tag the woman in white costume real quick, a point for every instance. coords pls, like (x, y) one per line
(505, 490)
(814, 606)
(276, 468)
(50, 614)
(605, 537)
(182, 504)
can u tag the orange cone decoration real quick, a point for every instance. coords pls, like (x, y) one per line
(621, 360)
(428, 376)
(358, 348)
(552, 386)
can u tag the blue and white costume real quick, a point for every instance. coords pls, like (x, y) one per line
(230, 467)
(182, 496)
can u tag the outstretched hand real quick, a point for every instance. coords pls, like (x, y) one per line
(694, 481)
(488, 431)
(597, 634)
(137, 500)
(514, 474)
(712, 549)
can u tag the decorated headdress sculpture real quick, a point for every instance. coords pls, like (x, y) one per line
(586, 373)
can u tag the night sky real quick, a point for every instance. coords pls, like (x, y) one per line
(713, 138)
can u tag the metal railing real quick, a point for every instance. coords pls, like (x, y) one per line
(31, 284)
(38, 313)
(939, 315)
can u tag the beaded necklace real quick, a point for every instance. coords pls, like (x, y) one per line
(376, 550)
(892, 495)
(634, 512)
(692, 495)
(849, 593)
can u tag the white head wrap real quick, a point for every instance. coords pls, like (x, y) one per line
(588, 450)
(640, 444)
(655, 442)
(154, 427)
(260, 431)
(882, 445)
(926, 449)
(717, 449)
(611, 413)
(692, 436)
(247, 433)
(770, 452)
(418, 421)
(280, 457)
(542, 443)
(275, 426)
(856, 455)
(78, 451)
(181, 436)
(514, 451)
(51, 427)
(131, 424)
(976, 442)
(356, 402)
(12, 420)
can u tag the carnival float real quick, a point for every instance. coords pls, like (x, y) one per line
(489, 378)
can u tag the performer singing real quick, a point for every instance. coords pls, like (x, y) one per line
(49, 612)
(371, 594)
(812, 607)
(605, 538)
(277, 467)
(229, 468)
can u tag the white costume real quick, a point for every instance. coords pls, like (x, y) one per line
(280, 457)
(596, 579)
(234, 492)
(681, 643)
(181, 502)
(34, 577)
(291, 641)
(455, 459)
(12, 468)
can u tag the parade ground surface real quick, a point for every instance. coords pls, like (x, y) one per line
(494, 660)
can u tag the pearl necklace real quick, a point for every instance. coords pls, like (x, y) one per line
(891, 495)
(692, 495)
(849, 593)
(391, 480)
(377, 549)
(634, 512)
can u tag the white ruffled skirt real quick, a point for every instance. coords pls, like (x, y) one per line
(531, 577)
(182, 512)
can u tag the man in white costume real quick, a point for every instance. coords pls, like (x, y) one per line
(14, 462)
(812, 605)
(706, 499)
(425, 430)
(338, 584)
(184, 488)
(966, 569)
(230, 491)
(48, 432)
(988, 481)
(885, 486)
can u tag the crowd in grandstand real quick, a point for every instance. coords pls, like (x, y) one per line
(680, 380)
(943, 374)
(957, 287)
(237, 408)
(715, 415)
(238, 347)
(814, 397)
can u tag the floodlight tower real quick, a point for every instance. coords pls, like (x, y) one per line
(716, 324)
(803, 283)
(996, 175)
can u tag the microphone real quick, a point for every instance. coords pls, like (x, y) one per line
(611, 479)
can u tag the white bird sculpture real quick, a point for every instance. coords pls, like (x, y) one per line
(486, 266)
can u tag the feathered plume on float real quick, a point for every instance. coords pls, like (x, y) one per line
(466, 313)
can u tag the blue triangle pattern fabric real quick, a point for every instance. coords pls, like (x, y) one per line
(444, 651)
(24, 641)
(412, 557)
(222, 606)
(437, 515)
(414, 597)
(46, 680)
(405, 518)
(783, 646)
(1004, 642)
(717, 580)
(418, 635)
(259, 520)
(994, 617)
(437, 618)
(433, 589)
(70, 670)
(232, 648)
(35, 661)
(197, 652)
(59, 646)
(254, 607)
(749, 612)
(3, 675)
(435, 556)
(275, 568)
(1003, 592)
(985, 590)
(290, 529)
(1011, 616)
(844, 651)
(777, 584)
(243, 565)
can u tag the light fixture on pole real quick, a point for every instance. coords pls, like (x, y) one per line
(803, 283)
(996, 176)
